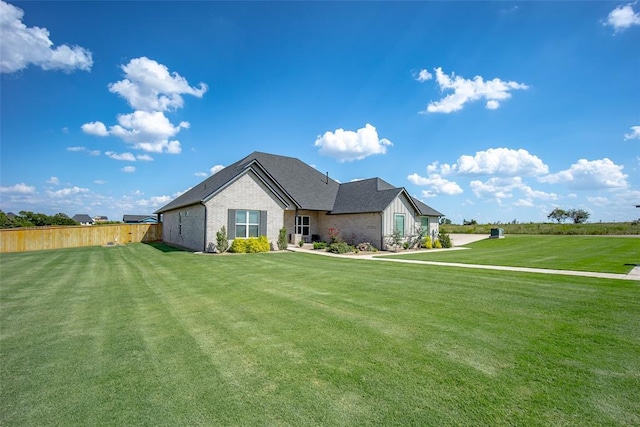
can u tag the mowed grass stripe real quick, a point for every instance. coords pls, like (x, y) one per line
(167, 338)
(604, 254)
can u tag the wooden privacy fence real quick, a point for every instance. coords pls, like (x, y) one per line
(39, 238)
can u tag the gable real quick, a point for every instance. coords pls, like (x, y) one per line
(301, 185)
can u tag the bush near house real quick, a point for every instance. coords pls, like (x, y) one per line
(250, 245)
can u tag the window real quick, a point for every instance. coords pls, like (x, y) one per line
(303, 225)
(180, 223)
(247, 223)
(424, 222)
(398, 223)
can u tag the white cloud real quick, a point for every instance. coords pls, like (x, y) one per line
(144, 157)
(623, 17)
(495, 161)
(437, 184)
(151, 90)
(100, 181)
(95, 128)
(21, 45)
(423, 75)
(89, 152)
(502, 188)
(634, 134)
(590, 175)
(215, 169)
(20, 188)
(65, 192)
(156, 201)
(127, 157)
(149, 86)
(346, 145)
(148, 131)
(466, 90)
(53, 180)
(128, 169)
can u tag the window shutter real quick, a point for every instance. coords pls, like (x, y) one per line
(263, 223)
(231, 224)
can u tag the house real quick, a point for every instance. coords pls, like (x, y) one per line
(262, 193)
(100, 218)
(83, 219)
(140, 219)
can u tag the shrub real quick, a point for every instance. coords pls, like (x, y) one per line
(405, 245)
(438, 245)
(319, 245)
(334, 235)
(222, 242)
(427, 243)
(445, 240)
(282, 239)
(250, 245)
(366, 247)
(301, 243)
(339, 248)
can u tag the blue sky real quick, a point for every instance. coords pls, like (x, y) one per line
(493, 111)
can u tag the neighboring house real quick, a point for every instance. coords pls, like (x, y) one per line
(263, 193)
(83, 219)
(100, 218)
(140, 219)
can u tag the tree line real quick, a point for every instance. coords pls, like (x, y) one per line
(578, 216)
(31, 219)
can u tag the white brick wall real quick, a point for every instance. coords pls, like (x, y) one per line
(247, 192)
(191, 234)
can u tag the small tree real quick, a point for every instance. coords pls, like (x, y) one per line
(578, 215)
(558, 215)
(222, 242)
(282, 239)
(395, 239)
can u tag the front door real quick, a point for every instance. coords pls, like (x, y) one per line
(303, 227)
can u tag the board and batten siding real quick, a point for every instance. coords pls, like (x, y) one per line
(399, 205)
(248, 192)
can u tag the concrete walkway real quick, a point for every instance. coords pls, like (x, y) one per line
(463, 239)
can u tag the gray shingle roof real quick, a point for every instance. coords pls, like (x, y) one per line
(368, 195)
(82, 218)
(426, 209)
(306, 186)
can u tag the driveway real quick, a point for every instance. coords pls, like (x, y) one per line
(464, 239)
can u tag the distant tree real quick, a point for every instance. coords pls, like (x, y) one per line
(5, 221)
(62, 219)
(558, 214)
(444, 220)
(578, 215)
(470, 222)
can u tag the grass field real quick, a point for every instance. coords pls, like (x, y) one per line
(604, 254)
(144, 335)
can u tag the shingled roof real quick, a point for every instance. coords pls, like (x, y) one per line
(307, 187)
(368, 195)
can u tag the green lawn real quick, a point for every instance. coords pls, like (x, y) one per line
(604, 254)
(137, 335)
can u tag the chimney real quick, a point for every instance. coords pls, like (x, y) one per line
(327, 179)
